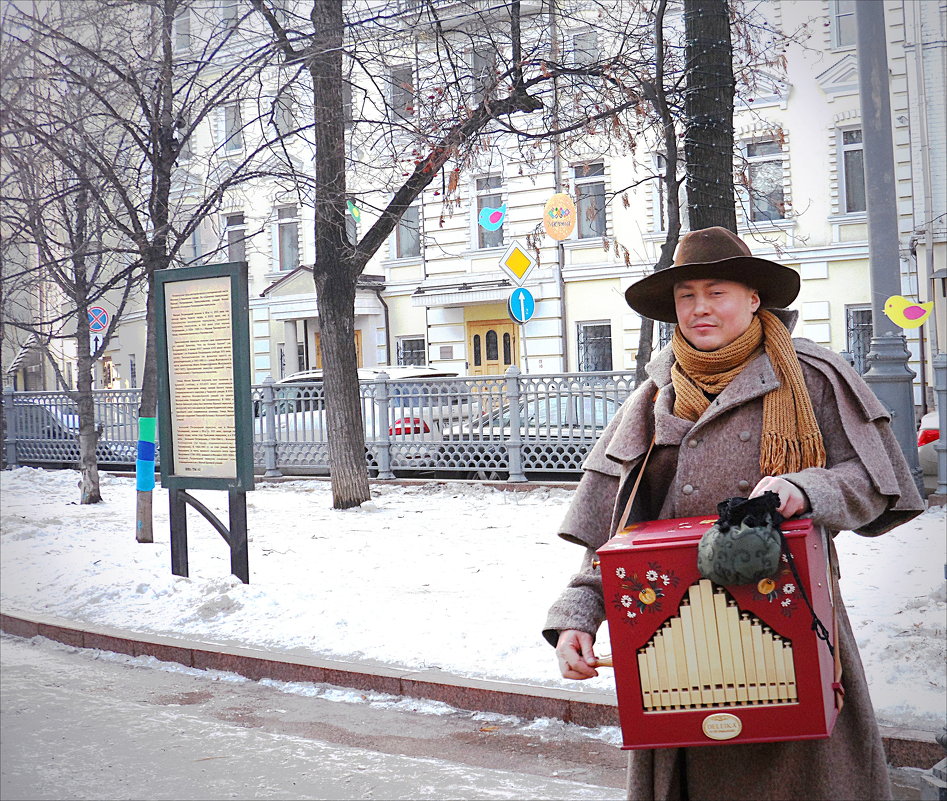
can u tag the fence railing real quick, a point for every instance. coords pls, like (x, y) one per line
(509, 426)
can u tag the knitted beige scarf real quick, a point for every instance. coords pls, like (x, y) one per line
(791, 439)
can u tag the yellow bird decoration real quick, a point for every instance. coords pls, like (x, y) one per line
(906, 313)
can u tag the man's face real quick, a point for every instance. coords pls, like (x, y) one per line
(712, 313)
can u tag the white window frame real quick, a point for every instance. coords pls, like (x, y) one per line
(400, 350)
(401, 96)
(402, 228)
(182, 31)
(232, 127)
(284, 113)
(578, 54)
(282, 221)
(580, 328)
(229, 11)
(235, 235)
(659, 204)
(481, 236)
(195, 246)
(838, 11)
(482, 58)
(186, 152)
(778, 156)
(843, 172)
(584, 178)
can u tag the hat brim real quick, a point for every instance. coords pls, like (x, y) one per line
(653, 295)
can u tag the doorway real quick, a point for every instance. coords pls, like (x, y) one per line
(492, 347)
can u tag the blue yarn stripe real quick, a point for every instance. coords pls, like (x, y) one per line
(145, 475)
(146, 451)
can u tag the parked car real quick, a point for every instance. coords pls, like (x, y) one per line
(928, 433)
(50, 434)
(557, 432)
(418, 407)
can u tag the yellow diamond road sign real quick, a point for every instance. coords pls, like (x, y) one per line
(517, 262)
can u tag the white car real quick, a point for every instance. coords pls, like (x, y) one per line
(928, 433)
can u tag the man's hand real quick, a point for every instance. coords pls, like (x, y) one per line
(792, 500)
(575, 654)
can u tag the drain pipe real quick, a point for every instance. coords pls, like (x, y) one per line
(377, 290)
(556, 167)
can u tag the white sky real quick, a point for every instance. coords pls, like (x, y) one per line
(454, 576)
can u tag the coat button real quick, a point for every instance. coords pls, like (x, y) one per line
(744, 485)
(744, 436)
(692, 443)
(687, 489)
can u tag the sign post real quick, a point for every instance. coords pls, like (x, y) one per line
(205, 418)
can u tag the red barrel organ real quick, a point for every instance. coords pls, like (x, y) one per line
(700, 664)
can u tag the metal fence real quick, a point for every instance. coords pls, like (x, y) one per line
(509, 426)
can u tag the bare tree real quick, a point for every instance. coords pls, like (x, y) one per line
(708, 141)
(410, 93)
(55, 214)
(146, 98)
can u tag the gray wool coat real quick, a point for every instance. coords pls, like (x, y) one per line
(866, 486)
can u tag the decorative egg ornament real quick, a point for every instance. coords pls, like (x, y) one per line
(559, 216)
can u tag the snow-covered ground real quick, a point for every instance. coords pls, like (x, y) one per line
(456, 576)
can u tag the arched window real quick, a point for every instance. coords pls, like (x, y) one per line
(478, 360)
(493, 351)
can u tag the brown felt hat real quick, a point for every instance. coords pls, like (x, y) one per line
(712, 253)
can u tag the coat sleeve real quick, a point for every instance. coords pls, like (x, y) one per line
(593, 513)
(587, 523)
(844, 495)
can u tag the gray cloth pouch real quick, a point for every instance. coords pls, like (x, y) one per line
(743, 546)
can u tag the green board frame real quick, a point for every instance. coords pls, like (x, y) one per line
(242, 406)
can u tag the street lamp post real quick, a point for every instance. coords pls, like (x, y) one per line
(889, 374)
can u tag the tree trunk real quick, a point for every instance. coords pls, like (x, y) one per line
(336, 300)
(89, 491)
(144, 530)
(335, 273)
(708, 109)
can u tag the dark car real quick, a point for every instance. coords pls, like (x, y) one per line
(49, 434)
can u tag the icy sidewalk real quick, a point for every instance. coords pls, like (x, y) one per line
(452, 576)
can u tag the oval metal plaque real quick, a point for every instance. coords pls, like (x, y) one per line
(722, 726)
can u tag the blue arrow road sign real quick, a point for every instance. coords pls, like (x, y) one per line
(98, 319)
(521, 305)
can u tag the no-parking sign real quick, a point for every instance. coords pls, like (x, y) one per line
(98, 319)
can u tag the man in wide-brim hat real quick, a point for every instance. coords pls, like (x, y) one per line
(734, 407)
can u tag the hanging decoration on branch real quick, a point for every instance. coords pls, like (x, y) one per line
(354, 210)
(559, 216)
(905, 313)
(492, 219)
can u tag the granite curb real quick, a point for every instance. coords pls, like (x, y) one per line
(904, 747)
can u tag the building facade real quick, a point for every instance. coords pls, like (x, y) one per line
(437, 293)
